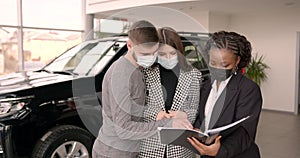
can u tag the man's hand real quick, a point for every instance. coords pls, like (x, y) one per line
(181, 123)
(178, 114)
(180, 119)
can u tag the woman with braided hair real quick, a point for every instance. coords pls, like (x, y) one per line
(227, 97)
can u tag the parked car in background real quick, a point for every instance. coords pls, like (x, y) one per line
(55, 112)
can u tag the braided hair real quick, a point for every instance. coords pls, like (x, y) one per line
(236, 43)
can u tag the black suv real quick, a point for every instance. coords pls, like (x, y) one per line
(56, 111)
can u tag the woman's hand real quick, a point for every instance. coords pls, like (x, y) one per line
(161, 115)
(203, 149)
(172, 114)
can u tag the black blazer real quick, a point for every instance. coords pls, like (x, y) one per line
(240, 98)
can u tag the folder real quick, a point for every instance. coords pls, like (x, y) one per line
(178, 136)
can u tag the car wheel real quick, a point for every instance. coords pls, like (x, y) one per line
(64, 141)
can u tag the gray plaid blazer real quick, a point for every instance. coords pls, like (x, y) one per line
(186, 99)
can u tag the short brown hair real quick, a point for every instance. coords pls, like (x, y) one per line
(142, 32)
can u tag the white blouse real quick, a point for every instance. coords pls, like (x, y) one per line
(212, 98)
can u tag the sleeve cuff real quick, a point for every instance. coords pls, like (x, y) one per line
(165, 123)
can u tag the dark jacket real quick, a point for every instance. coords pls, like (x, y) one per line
(240, 98)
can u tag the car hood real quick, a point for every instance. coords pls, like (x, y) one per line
(21, 81)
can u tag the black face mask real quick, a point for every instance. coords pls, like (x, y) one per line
(220, 74)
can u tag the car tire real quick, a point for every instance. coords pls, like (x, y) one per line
(59, 142)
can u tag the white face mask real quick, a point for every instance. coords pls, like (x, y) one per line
(168, 63)
(146, 61)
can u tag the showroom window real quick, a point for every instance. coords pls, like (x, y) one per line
(49, 28)
(110, 26)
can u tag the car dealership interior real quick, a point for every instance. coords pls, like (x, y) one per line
(33, 33)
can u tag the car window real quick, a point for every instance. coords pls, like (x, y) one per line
(59, 62)
(194, 57)
(193, 48)
(106, 58)
(90, 59)
(81, 58)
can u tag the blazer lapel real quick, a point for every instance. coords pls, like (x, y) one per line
(224, 100)
(182, 88)
(153, 84)
(204, 93)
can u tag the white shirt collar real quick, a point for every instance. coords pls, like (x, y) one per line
(222, 84)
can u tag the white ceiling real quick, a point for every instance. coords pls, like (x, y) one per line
(236, 6)
(230, 6)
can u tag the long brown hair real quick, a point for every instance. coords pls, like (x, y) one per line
(169, 36)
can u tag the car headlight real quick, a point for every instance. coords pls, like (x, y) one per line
(9, 106)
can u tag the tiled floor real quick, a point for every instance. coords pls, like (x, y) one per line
(278, 135)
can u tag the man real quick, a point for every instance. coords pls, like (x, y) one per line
(123, 98)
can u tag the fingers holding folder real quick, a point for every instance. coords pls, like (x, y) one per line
(186, 136)
(209, 150)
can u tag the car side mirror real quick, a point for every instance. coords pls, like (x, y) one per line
(116, 47)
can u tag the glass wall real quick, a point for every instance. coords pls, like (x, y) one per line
(42, 46)
(49, 28)
(8, 12)
(63, 14)
(109, 27)
(8, 50)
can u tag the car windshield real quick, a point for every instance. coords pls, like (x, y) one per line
(81, 58)
(194, 48)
